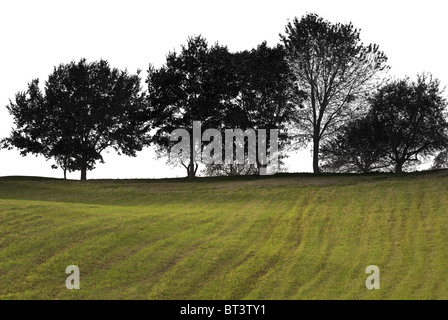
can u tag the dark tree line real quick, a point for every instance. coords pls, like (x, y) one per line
(321, 85)
(249, 89)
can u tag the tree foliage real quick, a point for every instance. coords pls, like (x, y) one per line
(250, 89)
(355, 148)
(412, 115)
(335, 70)
(193, 85)
(85, 108)
(441, 161)
(266, 98)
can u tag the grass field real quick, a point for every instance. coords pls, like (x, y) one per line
(282, 237)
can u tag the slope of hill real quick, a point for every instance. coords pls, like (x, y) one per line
(282, 237)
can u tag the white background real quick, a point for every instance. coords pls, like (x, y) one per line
(37, 35)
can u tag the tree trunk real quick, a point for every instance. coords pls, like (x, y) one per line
(316, 168)
(84, 171)
(399, 167)
(191, 171)
(65, 174)
(191, 168)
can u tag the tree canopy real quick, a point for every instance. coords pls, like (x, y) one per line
(84, 109)
(321, 85)
(265, 98)
(193, 85)
(355, 148)
(334, 68)
(412, 118)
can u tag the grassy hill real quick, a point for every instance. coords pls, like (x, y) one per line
(282, 237)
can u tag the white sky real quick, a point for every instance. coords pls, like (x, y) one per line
(37, 35)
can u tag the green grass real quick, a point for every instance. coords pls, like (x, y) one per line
(282, 237)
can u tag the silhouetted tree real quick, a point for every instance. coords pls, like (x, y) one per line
(216, 170)
(266, 99)
(334, 68)
(194, 85)
(412, 116)
(85, 108)
(440, 161)
(355, 148)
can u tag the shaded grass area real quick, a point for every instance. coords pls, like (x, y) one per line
(281, 237)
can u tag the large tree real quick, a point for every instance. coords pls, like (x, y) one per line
(195, 84)
(84, 109)
(412, 115)
(266, 99)
(335, 69)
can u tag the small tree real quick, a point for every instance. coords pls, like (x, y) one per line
(85, 108)
(440, 161)
(335, 69)
(216, 170)
(356, 148)
(268, 97)
(413, 121)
